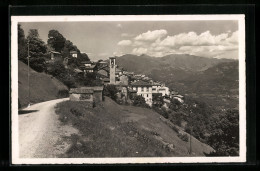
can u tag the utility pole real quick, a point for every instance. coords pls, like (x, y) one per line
(191, 129)
(190, 141)
(28, 43)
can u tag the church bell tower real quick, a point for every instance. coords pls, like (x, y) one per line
(112, 61)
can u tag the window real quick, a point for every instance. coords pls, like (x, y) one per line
(147, 95)
(147, 88)
(142, 89)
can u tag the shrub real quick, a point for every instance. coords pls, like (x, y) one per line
(183, 137)
(175, 129)
(140, 101)
(63, 93)
(110, 91)
(76, 112)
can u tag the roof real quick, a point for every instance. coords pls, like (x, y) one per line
(141, 83)
(156, 84)
(90, 67)
(81, 90)
(95, 88)
(55, 52)
(73, 51)
(86, 62)
(106, 79)
(112, 57)
(77, 70)
(132, 91)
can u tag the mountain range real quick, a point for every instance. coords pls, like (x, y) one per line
(212, 80)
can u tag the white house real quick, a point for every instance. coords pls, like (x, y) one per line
(143, 89)
(159, 88)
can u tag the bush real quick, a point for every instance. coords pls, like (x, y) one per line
(140, 101)
(183, 137)
(76, 112)
(111, 91)
(63, 93)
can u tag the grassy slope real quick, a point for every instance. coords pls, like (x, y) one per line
(112, 130)
(42, 86)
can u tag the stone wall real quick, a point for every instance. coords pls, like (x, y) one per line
(81, 97)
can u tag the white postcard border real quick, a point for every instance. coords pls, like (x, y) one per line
(14, 90)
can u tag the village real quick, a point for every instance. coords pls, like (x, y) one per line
(128, 84)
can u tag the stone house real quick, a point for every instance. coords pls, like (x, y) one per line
(92, 95)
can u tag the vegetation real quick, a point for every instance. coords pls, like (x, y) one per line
(110, 130)
(43, 87)
(140, 102)
(111, 91)
(226, 130)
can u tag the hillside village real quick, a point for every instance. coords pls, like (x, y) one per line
(97, 89)
(128, 84)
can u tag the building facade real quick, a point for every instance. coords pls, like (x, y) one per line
(143, 89)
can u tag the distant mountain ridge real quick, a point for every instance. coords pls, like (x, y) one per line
(210, 79)
(145, 64)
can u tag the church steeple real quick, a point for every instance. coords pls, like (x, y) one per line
(112, 61)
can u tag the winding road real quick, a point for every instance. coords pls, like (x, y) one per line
(40, 131)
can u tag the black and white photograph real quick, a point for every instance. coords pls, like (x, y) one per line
(117, 89)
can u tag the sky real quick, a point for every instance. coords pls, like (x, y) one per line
(103, 39)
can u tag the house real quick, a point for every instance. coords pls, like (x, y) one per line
(88, 67)
(143, 89)
(86, 63)
(164, 90)
(82, 94)
(74, 54)
(55, 55)
(89, 94)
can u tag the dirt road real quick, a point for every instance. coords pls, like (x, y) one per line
(40, 131)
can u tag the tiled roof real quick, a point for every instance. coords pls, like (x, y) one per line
(141, 83)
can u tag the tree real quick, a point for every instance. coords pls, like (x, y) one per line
(111, 91)
(140, 101)
(37, 51)
(157, 100)
(56, 40)
(175, 104)
(22, 46)
(225, 138)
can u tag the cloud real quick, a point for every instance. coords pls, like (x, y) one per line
(124, 43)
(233, 38)
(193, 39)
(139, 51)
(157, 43)
(127, 35)
(118, 53)
(151, 35)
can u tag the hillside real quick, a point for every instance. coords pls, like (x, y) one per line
(43, 87)
(215, 81)
(145, 64)
(112, 130)
(217, 85)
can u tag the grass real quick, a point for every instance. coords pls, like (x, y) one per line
(43, 87)
(112, 130)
